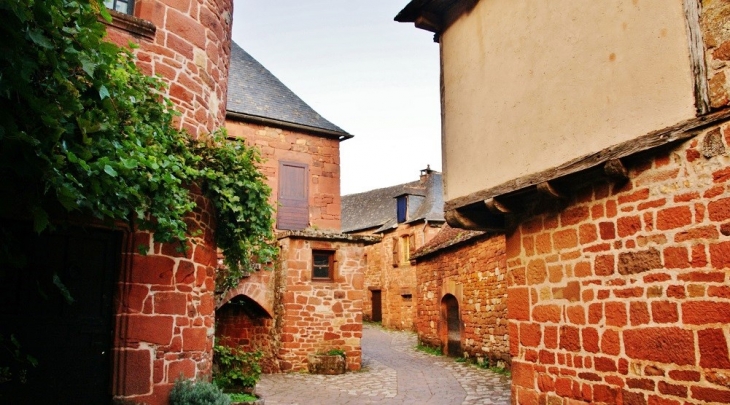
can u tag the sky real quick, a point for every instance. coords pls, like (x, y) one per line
(371, 76)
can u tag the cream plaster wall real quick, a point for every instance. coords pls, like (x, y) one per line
(530, 85)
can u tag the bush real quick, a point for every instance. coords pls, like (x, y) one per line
(233, 367)
(187, 392)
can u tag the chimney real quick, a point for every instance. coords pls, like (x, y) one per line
(426, 172)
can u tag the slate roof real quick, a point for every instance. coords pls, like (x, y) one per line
(254, 92)
(447, 237)
(377, 208)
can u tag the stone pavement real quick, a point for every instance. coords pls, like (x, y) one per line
(394, 373)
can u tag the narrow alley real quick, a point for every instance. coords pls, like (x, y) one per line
(394, 372)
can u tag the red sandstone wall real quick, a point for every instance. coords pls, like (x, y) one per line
(320, 315)
(322, 155)
(165, 306)
(165, 312)
(191, 52)
(475, 273)
(399, 311)
(237, 327)
(623, 296)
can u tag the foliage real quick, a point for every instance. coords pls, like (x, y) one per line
(239, 397)
(436, 351)
(20, 362)
(82, 129)
(187, 392)
(234, 367)
(336, 352)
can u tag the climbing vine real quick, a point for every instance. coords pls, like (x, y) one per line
(82, 129)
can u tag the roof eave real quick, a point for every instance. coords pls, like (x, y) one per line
(327, 133)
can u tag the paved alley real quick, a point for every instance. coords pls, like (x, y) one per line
(393, 373)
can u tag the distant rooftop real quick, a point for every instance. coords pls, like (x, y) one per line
(255, 94)
(376, 209)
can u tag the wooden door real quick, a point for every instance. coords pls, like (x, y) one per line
(377, 306)
(293, 196)
(68, 333)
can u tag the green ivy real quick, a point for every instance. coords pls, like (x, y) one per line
(82, 129)
(235, 368)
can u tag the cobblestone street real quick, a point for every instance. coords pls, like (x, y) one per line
(394, 372)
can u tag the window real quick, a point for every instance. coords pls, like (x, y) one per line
(323, 265)
(405, 248)
(293, 198)
(401, 208)
(123, 6)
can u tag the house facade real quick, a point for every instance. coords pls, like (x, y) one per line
(595, 138)
(311, 301)
(406, 216)
(461, 295)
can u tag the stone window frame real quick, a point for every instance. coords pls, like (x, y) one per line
(330, 267)
(112, 5)
(136, 26)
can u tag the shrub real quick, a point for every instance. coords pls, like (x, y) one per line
(233, 367)
(187, 392)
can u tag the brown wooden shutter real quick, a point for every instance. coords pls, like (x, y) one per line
(293, 207)
(396, 258)
(412, 244)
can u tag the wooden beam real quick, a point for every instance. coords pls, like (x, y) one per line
(616, 170)
(479, 219)
(681, 131)
(428, 21)
(693, 11)
(496, 206)
(549, 190)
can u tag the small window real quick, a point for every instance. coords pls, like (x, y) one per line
(402, 208)
(323, 265)
(122, 6)
(405, 244)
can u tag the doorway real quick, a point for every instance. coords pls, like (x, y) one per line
(377, 302)
(56, 301)
(451, 326)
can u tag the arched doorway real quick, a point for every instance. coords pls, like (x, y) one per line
(451, 326)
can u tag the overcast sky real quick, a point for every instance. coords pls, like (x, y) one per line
(371, 76)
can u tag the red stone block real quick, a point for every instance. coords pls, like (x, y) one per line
(595, 313)
(640, 383)
(676, 217)
(530, 334)
(518, 304)
(664, 345)
(611, 342)
(135, 368)
(523, 375)
(616, 314)
(720, 255)
(604, 265)
(550, 337)
(638, 313)
(704, 312)
(628, 226)
(672, 389)
(590, 340)
(546, 313)
(574, 215)
(184, 368)
(570, 338)
(721, 176)
(536, 272)
(713, 349)
(664, 312)
(711, 395)
(194, 339)
(155, 329)
(604, 394)
(685, 375)
(604, 364)
(152, 269)
(565, 239)
(170, 303)
(546, 357)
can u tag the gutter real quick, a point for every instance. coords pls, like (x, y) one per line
(327, 133)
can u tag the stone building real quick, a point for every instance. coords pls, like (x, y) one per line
(312, 300)
(595, 136)
(461, 295)
(139, 321)
(406, 216)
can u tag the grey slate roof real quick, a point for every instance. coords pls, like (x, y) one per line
(377, 208)
(254, 91)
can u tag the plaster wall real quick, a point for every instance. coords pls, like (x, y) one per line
(531, 85)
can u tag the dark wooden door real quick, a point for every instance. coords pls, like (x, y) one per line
(69, 334)
(377, 306)
(293, 196)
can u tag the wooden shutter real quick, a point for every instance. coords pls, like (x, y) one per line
(293, 207)
(396, 257)
(412, 244)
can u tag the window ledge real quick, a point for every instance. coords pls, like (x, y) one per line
(134, 25)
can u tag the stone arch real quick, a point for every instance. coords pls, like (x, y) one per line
(451, 326)
(258, 287)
